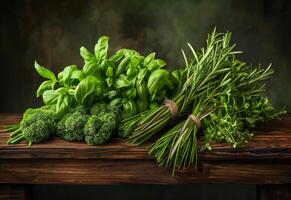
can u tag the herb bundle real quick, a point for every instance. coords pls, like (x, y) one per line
(226, 98)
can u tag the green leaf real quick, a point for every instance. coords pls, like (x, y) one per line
(109, 81)
(109, 71)
(130, 108)
(135, 60)
(142, 90)
(91, 68)
(87, 55)
(61, 91)
(44, 72)
(131, 71)
(110, 94)
(156, 64)
(63, 103)
(101, 48)
(116, 102)
(149, 58)
(117, 56)
(78, 74)
(66, 74)
(44, 86)
(142, 105)
(49, 97)
(141, 75)
(130, 93)
(86, 87)
(122, 66)
(121, 82)
(157, 80)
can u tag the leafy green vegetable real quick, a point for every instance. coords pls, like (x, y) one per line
(99, 128)
(101, 48)
(71, 126)
(44, 72)
(43, 87)
(36, 126)
(86, 87)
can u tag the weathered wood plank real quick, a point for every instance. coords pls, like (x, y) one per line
(268, 144)
(39, 171)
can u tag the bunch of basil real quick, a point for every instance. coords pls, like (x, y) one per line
(126, 80)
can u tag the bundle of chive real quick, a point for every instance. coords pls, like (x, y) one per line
(220, 98)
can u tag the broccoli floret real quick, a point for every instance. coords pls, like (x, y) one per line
(71, 126)
(99, 128)
(33, 115)
(101, 108)
(92, 125)
(98, 108)
(81, 109)
(36, 125)
(117, 113)
(36, 132)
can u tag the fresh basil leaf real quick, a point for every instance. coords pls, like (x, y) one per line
(86, 87)
(109, 71)
(63, 103)
(54, 84)
(44, 72)
(101, 48)
(109, 81)
(122, 66)
(121, 82)
(78, 74)
(117, 56)
(156, 64)
(110, 94)
(90, 68)
(135, 60)
(149, 58)
(49, 97)
(87, 55)
(141, 75)
(130, 94)
(116, 102)
(66, 74)
(44, 86)
(61, 91)
(71, 91)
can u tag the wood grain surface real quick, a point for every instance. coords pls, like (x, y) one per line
(264, 160)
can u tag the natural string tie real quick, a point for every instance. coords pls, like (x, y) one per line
(172, 106)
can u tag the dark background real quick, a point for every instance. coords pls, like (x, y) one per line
(52, 32)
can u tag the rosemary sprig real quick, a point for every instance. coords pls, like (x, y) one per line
(229, 106)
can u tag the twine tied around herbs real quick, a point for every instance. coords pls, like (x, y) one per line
(172, 106)
(196, 120)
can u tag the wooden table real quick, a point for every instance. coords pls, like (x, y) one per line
(265, 161)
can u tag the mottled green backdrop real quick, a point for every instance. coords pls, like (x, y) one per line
(52, 32)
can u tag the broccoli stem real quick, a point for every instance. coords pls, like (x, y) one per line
(16, 140)
(11, 128)
(15, 133)
(12, 125)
